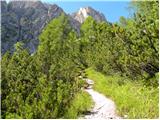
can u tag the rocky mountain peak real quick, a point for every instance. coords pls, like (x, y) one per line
(83, 13)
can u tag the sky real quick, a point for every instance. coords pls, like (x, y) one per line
(112, 9)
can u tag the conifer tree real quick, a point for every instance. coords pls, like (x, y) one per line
(57, 53)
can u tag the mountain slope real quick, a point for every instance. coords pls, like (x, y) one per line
(24, 21)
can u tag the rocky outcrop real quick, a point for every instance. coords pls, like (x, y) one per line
(83, 13)
(24, 21)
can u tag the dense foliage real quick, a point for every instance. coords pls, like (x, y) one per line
(45, 84)
(129, 47)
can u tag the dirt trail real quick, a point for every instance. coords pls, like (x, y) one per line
(104, 108)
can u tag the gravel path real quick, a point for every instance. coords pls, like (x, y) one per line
(104, 108)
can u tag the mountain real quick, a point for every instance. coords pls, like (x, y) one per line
(83, 13)
(24, 21)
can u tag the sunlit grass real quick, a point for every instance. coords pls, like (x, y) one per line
(132, 98)
(80, 104)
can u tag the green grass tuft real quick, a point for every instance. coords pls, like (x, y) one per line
(132, 98)
(80, 104)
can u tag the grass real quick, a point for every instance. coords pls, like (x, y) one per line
(80, 104)
(132, 98)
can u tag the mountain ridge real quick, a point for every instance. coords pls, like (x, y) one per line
(24, 21)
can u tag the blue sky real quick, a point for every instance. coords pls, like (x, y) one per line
(112, 9)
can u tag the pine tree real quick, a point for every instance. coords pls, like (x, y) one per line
(58, 54)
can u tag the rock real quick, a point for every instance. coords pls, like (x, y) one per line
(90, 82)
(83, 13)
(25, 20)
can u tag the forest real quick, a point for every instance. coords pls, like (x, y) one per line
(48, 83)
